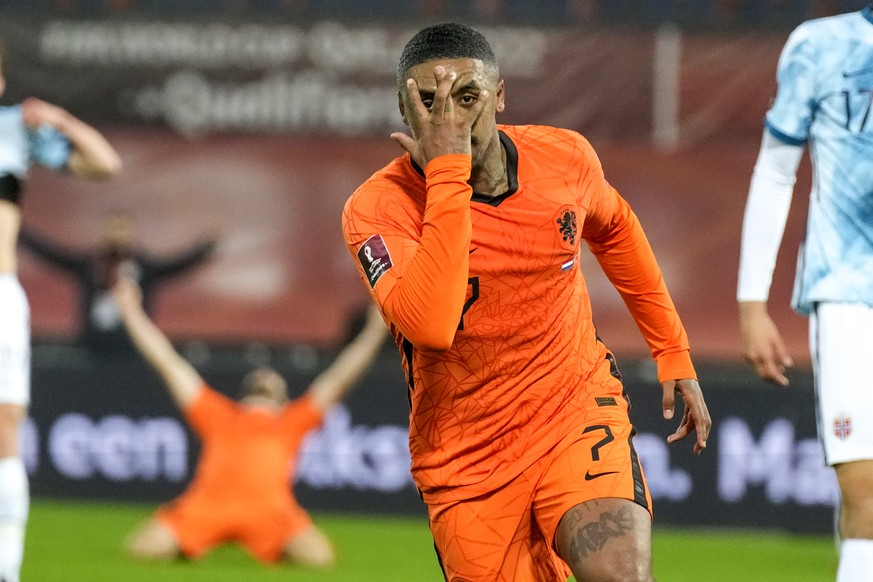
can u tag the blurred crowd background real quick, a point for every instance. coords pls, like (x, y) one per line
(248, 123)
(751, 14)
(253, 120)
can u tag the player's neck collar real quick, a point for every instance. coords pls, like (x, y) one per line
(868, 13)
(511, 174)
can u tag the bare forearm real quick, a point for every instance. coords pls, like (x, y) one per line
(181, 379)
(335, 382)
(92, 157)
(749, 309)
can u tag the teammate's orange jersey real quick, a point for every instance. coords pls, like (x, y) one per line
(248, 454)
(488, 304)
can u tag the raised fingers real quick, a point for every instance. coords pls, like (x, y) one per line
(443, 106)
(696, 416)
(437, 106)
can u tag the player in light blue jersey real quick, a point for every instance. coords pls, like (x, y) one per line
(34, 132)
(824, 99)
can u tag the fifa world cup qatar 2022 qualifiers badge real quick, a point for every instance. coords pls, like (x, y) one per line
(374, 258)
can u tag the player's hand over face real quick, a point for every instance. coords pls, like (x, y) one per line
(696, 416)
(439, 125)
(763, 347)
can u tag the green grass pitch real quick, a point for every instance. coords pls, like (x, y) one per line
(77, 541)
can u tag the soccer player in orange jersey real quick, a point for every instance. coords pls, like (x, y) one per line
(241, 491)
(469, 243)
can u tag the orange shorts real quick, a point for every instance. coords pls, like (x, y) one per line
(264, 533)
(508, 534)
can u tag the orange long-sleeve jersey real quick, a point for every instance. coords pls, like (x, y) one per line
(489, 306)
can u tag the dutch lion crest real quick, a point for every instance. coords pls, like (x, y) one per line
(567, 226)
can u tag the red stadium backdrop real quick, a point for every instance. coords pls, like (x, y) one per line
(260, 132)
(264, 133)
(282, 273)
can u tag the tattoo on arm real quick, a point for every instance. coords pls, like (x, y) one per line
(591, 537)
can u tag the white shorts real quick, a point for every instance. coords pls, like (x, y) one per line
(841, 343)
(14, 342)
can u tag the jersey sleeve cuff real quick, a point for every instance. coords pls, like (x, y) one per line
(447, 185)
(676, 366)
(449, 168)
(782, 136)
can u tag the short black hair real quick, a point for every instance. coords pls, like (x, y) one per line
(444, 41)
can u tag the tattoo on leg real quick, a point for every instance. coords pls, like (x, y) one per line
(591, 537)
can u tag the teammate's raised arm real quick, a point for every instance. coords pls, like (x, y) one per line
(182, 380)
(333, 384)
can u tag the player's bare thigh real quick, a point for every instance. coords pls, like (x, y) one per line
(607, 539)
(11, 416)
(153, 540)
(310, 548)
